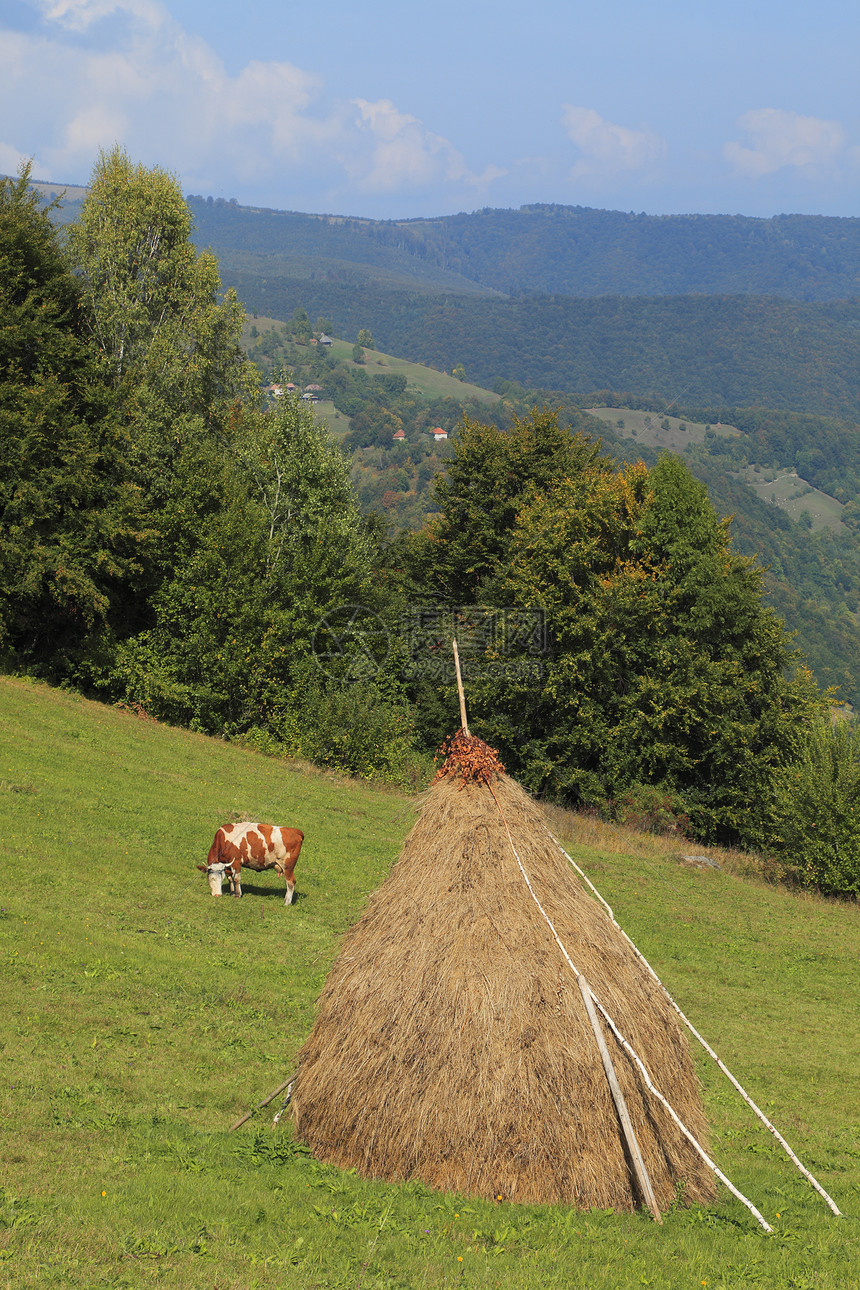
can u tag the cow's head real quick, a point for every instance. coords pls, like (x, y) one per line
(217, 875)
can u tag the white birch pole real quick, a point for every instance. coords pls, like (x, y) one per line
(708, 1049)
(697, 1146)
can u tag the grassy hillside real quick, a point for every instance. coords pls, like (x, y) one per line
(780, 486)
(141, 1017)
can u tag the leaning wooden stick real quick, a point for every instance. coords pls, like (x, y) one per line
(460, 688)
(620, 1104)
(260, 1105)
(757, 1111)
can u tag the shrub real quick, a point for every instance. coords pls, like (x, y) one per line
(356, 729)
(814, 824)
(652, 808)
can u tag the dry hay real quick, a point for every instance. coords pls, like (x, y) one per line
(451, 1043)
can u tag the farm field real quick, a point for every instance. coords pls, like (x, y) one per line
(140, 1018)
(426, 382)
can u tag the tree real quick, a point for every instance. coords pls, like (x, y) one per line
(493, 473)
(665, 667)
(365, 338)
(70, 525)
(660, 665)
(153, 309)
(235, 620)
(813, 822)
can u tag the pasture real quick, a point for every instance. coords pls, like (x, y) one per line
(425, 382)
(787, 490)
(141, 1017)
(655, 429)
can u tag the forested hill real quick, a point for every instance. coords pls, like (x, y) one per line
(564, 250)
(624, 303)
(726, 351)
(572, 250)
(544, 250)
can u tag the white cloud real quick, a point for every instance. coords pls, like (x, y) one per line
(141, 80)
(609, 149)
(403, 153)
(79, 15)
(11, 160)
(780, 139)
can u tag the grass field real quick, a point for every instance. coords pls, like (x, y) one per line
(648, 428)
(424, 381)
(140, 1018)
(786, 489)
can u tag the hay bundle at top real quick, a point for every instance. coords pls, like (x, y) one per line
(451, 1043)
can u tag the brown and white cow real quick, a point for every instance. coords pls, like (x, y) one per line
(256, 846)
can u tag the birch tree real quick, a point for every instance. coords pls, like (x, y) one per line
(154, 310)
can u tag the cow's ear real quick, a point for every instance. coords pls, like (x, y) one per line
(202, 868)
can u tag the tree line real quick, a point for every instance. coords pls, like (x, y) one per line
(170, 542)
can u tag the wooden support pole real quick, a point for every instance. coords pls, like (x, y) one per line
(460, 688)
(260, 1105)
(620, 1105)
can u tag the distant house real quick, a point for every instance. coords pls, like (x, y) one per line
(314, 389)
(324, 340)
(439, 433)
(275, 390)
(290, 388)
(399, 434)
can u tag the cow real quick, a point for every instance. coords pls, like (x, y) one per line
(256, 846)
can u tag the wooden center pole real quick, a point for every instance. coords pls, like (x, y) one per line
(460, 689)
(620, 1105)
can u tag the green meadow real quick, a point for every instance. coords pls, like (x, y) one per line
(786, 489)
(141, 1018)
(655, 429)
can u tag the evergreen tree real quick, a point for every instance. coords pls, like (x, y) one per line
(70, 534)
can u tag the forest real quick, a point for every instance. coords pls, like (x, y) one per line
(711, 350)
(172, 542)
(717, 310)
(565, 250)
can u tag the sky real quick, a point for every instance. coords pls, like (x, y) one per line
(393, 110)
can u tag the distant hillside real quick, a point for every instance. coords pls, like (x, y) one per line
(539, 250)
(706, 351)
(430, 291)
(563, 250)
(572, 250)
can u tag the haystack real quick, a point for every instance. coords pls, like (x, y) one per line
(451, 1043)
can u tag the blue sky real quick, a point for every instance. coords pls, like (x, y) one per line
(390, 109)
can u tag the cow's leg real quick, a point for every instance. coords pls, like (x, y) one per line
(235, 884)
(287, 875)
